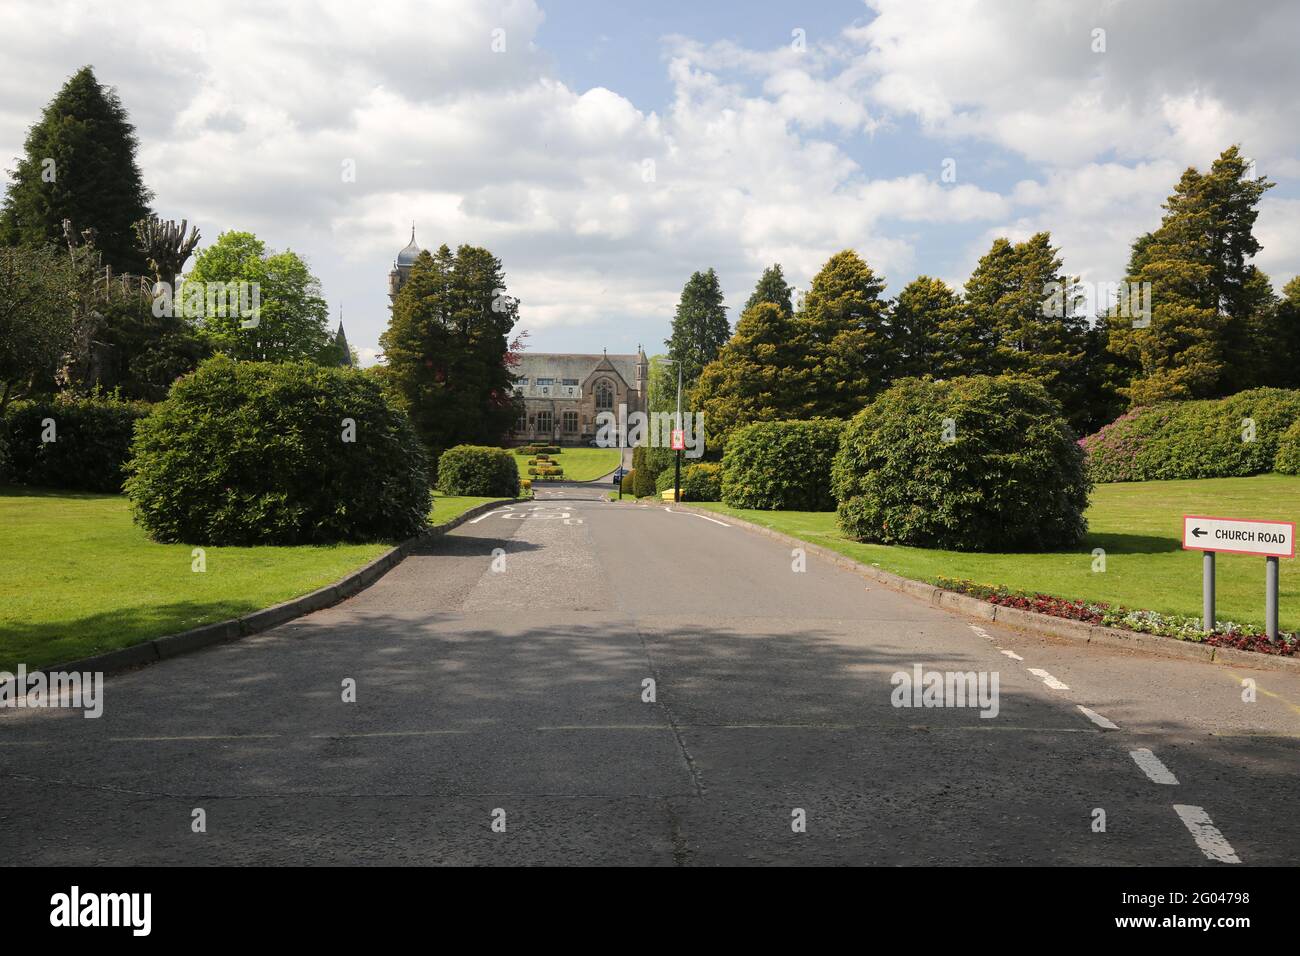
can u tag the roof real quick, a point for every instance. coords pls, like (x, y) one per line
(412, 252)
(562, 365)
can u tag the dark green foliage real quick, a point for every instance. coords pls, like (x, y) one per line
(538, 450)
(447, 349)
(845, 337)
(627, 484)
(4, 455)
(92, 442)
(772, 288)
(1011, 479)
(702, 481)
(95, 180)
(1287, 459)
(700, 326)
(244, 453)
(781, 466)
(142, 354)
(644, 482)
(479, 470)
(1211, 438)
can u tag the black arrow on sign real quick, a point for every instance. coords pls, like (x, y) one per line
(1197, 532)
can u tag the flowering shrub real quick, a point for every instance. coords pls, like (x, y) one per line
(1242, 637)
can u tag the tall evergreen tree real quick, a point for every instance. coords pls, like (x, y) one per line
(79, 164)
(926, 330)
(700, 327)
(447, 348)
(842, 326)
(773, 288)
(757, 377)
(1284, 369)
(1204, 291)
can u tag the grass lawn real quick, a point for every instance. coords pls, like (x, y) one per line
(77, 577)
(1138, 524)
(579, 464)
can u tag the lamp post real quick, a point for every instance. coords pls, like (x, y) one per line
(677, 452)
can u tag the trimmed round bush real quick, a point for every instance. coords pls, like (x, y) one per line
(245, 453)
(1229, 437)
(781, 466)
(968, 464)
(1287, 459)
(702, 481)
(92, 442)
(479, 470)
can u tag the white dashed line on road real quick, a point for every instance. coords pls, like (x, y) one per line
(1206, 834)
(1048, 679)
(1098, 719)
(1011, 654)
(693, 514)
(1152, 767)
(981, 632)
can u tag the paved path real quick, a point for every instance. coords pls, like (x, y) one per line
(521, 690)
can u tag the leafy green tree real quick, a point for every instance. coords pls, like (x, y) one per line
(1204, 291)
(700, 326)
(842, 327)
(79, 164)
(143, 353)
(927, 330)
(447, 349)
(759, 376)
(40, 296)
(292, 316)
(1284, 338)
(773, 288)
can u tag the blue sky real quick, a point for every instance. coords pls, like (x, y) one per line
(760, 152)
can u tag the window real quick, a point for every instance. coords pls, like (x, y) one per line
(571, 381)
(546, 381)
(544, 421)
(604, 396)
(570, 421)
(521, 423)
(523, 381)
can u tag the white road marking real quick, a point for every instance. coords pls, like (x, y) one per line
(1152, 767)
(1012, 654)
(1098, 719)
(488, 515)
(1048, 679)
(692, 513)
(1206, 834)
(981, 632)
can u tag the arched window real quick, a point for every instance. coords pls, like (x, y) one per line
(604, 396)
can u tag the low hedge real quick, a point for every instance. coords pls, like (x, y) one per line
(92, 442)
(781, 466)
(702, 482)
(478, 470)
(546, 473)
(967, 464)
(248, 453)
(1287, 459)
(535, 450)
(1229, 437)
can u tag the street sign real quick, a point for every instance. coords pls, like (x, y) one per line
(1273, 539)
(679, 439)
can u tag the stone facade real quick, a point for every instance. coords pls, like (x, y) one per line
(563, 392)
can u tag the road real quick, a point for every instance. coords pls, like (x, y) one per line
(501, 675)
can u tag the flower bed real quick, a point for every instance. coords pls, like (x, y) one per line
(1241, 637)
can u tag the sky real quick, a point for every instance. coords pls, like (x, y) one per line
(604, 152)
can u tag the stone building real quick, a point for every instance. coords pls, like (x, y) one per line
(561, 392)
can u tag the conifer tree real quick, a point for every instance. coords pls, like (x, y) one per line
(700, 326)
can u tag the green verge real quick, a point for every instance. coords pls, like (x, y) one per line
(77, 577)
(579, 464)
(1137, 524)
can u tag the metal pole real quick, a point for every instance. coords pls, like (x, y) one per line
(1270, 597)
(1207, 590)
(677, 455)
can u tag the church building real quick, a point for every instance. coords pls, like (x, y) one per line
(562, 392)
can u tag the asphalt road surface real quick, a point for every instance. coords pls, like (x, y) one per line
(501, 677)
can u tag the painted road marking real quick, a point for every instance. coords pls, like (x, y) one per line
(692, 513)
(1048, 679)
(1012, 654)
(488, 515)
(1206, 834)
(980, 631)
(1098, 719)
(1152, 767)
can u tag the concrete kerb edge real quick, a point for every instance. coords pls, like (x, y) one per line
(186, 642)
(1030, 621)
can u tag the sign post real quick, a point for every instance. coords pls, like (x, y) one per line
(1270, 539)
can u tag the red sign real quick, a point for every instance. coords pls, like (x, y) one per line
(679, 439)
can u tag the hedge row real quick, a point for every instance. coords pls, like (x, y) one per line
(1210, 438)
(479, 470)
(1288, 451)
(781, 465)
(535, 450)
(76, 443)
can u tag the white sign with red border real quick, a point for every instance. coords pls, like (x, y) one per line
(679, 439)
(1275, 539)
